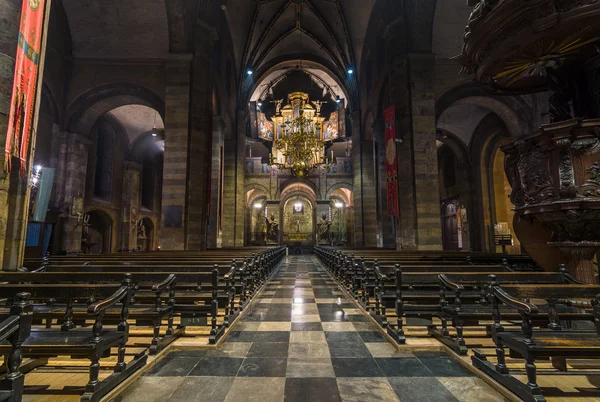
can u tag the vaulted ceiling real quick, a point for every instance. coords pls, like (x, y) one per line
(267, 31)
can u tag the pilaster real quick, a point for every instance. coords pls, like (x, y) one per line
(177, 106)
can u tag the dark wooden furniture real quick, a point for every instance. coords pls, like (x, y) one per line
(531, 344)
(15, 328)
(463, 311)
(92, 343)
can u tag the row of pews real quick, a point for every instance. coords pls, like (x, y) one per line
(86, 308)
(532, 315)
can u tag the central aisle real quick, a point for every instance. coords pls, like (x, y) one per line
(303, 340)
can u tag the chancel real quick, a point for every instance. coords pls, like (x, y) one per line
(299, 200)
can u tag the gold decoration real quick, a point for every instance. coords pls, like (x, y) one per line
(543, 57)
(390, 151)
(34, 4)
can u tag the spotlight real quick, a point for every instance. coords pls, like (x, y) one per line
(338, 99)
(258, 205)
(249, 71)
(259, 104)
(38, 168)
(350, 71)
(339, 205)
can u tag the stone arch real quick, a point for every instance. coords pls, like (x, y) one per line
(256, 186)
(308, 62)
(515, 111)
(287, 185)
(85, 110)
(344, 185)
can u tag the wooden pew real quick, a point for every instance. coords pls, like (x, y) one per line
(196, 293)
(146, 311)
(531, 344)
(15, 327)
(461, 313)
(92, 343)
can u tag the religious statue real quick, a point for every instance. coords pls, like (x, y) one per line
(318, 105)
(324, 230)
(141, 230)
(272, 229)
(278, 106)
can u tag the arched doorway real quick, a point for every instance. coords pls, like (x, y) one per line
(97, 233)
(298, 220)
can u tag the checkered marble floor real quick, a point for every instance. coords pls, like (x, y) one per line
(303, 340)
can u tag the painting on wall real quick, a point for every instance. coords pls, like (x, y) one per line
(264, 126)
(331, 127)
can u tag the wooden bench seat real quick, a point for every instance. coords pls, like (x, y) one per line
(94, 342)
(531, 344)
(463, 311)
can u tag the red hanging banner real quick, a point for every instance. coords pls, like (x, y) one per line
(27, 64)
(391, 165)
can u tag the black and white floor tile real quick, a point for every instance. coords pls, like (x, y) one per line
(303, 340)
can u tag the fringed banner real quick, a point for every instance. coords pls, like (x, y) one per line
(391, 165)
(27, 64)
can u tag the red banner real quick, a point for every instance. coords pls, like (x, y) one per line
(27, 64)
(391, 165)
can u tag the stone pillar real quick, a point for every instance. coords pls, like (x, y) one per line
(357, 180)
(234, 195)
(76, 156)
(200, 144)
(131, 205)
(411, 92)
(427, 196)
(365, 190)
(10, 12)
(215, 195)
(177, 111)
(385, 228)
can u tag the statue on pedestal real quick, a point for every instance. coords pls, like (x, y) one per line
(272, 229)
(324, 230)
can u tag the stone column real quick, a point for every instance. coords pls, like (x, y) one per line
(385, 225)
(215, 196)
(364, 186)
(9, 31)
(200, 144)
(427, 196)
(131, 205)
(411, 92)
(177, 111)
(76, 156)
(357, 180)
(234, 195)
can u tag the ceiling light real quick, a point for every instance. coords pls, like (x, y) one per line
(350, 71)
(259, 104)
(249, 71)
(338, 99)
(258, 205)
(338, 204)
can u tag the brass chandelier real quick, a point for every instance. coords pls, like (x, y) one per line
(300, 149)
